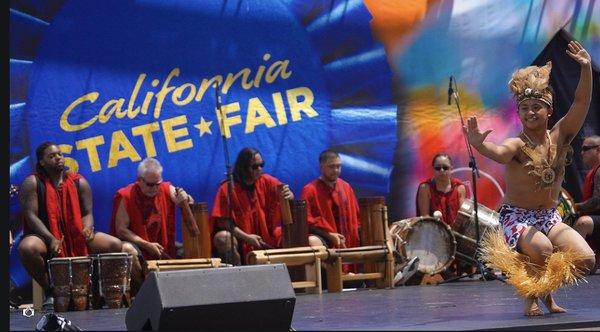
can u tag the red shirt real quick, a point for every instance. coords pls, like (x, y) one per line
(255, 211)
(588, 186)
(151, 218)
(334, 210)
(64, 215)
(447, 203)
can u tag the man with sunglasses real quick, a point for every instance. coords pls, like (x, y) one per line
(143, 216)
(588, 224)
(255, 209)
(57, 217)
(441, 193)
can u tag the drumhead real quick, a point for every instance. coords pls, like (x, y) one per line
(113, 255)
(59, 260)
(430, 240)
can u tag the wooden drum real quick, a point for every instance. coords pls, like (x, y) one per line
(295, 234)
(197, 246)
(114, 278)
(373, 220)
(70, 279)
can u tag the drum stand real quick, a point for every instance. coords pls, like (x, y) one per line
(229, 223)
(486, 273)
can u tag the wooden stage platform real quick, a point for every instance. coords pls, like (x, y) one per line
(462, 305)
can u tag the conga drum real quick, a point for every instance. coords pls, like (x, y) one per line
(114, 278)
(81, 271)
(70, 279)
(59, 273)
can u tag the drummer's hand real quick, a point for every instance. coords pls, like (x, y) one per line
(286, 192)
(181, 197)
(254, 240)
(88, 233)
(55, 246)
(193, 228)
(338, 240)
(154, 248)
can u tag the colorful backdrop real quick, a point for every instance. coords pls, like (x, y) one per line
(116, 81)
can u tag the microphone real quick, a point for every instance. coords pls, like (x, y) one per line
(450, 91)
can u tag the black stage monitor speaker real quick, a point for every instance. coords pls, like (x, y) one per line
(256, 297)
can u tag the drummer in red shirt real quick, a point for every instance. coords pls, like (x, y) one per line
(332, 208)
(256, 212)
(441, 192)
(441, 197)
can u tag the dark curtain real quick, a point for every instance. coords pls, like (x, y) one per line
(564, 78)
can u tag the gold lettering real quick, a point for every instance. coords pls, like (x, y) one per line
(112, 106)
(146, 131)
(119, 140)
(208, 84)
(278, 68)
(179, 91)
(260, 71)
(164, 90)
(64, 118)
(133, 112)
(257, 115)
(227, 122)
(90, 144)
(301, 106)
(245, 73)
(279, 108)
(171, 135)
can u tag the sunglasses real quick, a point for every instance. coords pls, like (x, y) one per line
(589, 147)
(439, 168)
(256, 166)
(150, 184)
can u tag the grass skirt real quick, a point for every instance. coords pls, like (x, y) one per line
(529, 279)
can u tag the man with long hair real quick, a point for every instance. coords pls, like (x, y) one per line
(255, 212)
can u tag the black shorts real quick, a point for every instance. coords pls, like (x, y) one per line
(596, 232)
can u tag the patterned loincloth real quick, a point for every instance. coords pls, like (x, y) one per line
(515, 220)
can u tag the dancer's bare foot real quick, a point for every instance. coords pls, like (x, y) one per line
(551, 305)
(532, 308)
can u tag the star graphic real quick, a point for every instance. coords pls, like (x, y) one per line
(204, 126)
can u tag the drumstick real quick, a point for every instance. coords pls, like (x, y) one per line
(163, 254)
(266, 245)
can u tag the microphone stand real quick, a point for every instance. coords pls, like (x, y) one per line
(486, 274)
(229, 223)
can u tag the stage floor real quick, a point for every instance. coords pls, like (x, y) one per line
(462, 305)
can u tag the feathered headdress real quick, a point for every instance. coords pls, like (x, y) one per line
(532, 83)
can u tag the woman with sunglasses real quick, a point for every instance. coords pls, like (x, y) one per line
(441, 192)
(256, 212)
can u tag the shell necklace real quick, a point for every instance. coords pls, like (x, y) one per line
(541, 166)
